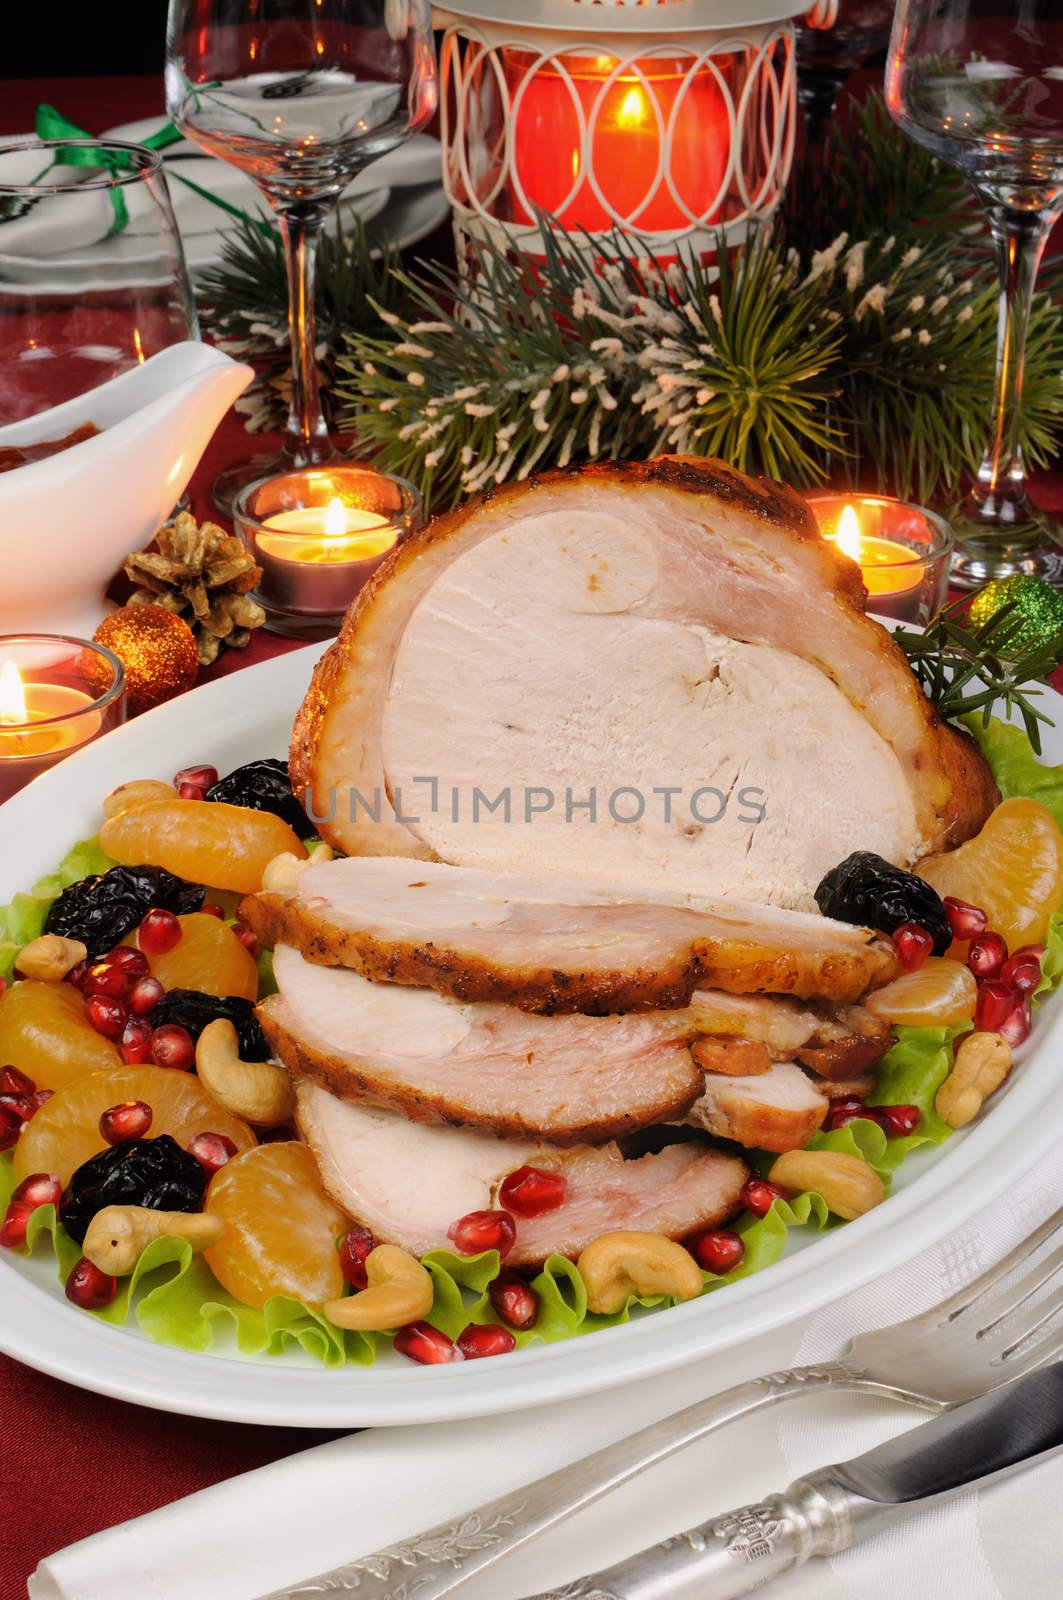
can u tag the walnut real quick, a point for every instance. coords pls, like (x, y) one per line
(204, 575)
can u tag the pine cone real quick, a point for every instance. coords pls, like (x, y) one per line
(203, 574)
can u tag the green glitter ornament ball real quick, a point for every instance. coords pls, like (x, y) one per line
(1038, 615)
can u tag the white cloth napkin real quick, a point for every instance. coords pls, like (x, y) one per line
(286, 1522)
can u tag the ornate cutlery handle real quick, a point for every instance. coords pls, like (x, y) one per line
(735, 1553)
(439, 1561)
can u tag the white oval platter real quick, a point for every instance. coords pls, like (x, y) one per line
(249, 714)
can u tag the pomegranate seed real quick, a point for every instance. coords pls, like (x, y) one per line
(911, 945)
(191, 791)
(847, 1109)
(134, 963)
(40, 1097)
(481, 1339)
(90, 1288)
(212, 911)
(423, 1343)
(39, 1189)
(12, 1081)
(986, 955)
(145, 996)
(354, 1247)
(13, 1227)
(483, 1230)
(758, 1196)
(134, 1046)
(106, 978)
(965, 920)
(1029, 952)
(248, 939)
(201, 777)
(172, 1046)
(718, 1252)
(532, 1190)
(130, 1120)
(899, 1121)
(77, 974)
(212, 1150)
(515, 1301)
(159, 932)
(108, 1017)
(1022, 972)
(10, 1129)
(19, 1106)
(1017, 1024)
(994, 1005)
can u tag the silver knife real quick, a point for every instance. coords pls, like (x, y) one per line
(974, 1445)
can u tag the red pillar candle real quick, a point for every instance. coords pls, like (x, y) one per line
(627, 115)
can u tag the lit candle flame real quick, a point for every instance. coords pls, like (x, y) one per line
(335, 519)
(632, 112)
(848, 537)
(12, 695)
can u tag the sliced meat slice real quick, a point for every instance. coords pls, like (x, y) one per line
(855, 1088)
(568, 1079)
(657, 674)
(777, 1110)
(736, 1058)
(779, 1023)
(554, 947)
(408, 1183)
(847, 1044)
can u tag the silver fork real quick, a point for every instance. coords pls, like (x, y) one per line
(985, 1335)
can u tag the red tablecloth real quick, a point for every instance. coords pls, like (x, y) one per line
(73, 1463)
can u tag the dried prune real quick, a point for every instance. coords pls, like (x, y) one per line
(871, 892)
(137, 1172)
(193, 1010)
(102, 909)
(264, 786)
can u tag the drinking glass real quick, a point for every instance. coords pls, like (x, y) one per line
(92, 273)
(980, 83)
(300, 95)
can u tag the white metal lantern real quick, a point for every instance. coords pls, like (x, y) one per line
(673, 119)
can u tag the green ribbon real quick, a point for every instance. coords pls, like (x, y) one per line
(51, 124)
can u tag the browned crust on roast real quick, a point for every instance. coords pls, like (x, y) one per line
(848, 1045)
(735, 966)
(349, 1080)
(764, 1127)
(856, 1088)
(734, 1058)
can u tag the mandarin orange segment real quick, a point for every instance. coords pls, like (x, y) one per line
(1013, 869)
(65, 1132)
(204, 841)
(281, 1228)
(208, 957)
(939, 995)
(44, 1034)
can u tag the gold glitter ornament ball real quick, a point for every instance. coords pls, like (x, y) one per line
(157, 649)
(1038, 615)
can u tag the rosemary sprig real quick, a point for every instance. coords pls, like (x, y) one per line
(964, 669)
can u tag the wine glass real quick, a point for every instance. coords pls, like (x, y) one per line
(92, 273)
(301, 95)
(980, 83)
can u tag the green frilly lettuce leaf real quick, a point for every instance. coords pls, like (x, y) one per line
(173, 1297)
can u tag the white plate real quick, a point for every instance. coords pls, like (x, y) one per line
(249, 714)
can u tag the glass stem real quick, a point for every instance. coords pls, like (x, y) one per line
(306, 438)
(1020, 236)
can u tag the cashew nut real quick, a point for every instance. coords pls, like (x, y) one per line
(258, 1091)
(983, 1061)
(618, 1265)
(282, 873)
(849, 1185)
(50, 958)
(399, 1291)
(117, 1235)
(138, 793)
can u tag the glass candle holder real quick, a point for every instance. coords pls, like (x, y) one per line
(317, 535)
(903, 550)
(56, 696)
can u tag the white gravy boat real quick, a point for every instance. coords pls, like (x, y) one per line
(68, 522)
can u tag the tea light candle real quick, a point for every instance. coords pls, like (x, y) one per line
(44, 714)
(317, 535)
(902, 550)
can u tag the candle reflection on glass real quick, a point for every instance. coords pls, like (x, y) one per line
(902, 550)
